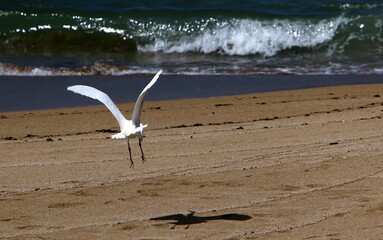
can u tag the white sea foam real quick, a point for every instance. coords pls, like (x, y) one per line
(110, 70)
(112, 30)
(95, 69)
(248, 37)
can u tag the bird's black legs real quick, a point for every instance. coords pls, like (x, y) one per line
(142, 152)
(130, 152)
(130, 155)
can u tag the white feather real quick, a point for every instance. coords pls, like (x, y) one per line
(140, 101)
(102, 97)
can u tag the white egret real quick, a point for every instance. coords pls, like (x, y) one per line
(129, 128)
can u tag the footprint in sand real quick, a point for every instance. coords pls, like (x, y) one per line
(73, 182)
(29, 227)
(80, 193)
(7, 219)
(128, 227)
(148, 193)
(65, 205)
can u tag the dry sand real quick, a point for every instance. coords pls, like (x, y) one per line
(303, 164)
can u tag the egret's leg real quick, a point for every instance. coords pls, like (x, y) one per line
(142, 152)
(130, 155)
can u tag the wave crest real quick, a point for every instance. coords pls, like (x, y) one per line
(247, 37)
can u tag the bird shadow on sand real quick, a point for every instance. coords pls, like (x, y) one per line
(189, 219)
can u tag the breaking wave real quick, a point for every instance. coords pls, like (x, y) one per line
(248, 37)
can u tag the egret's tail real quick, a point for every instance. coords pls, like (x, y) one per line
(118, 136)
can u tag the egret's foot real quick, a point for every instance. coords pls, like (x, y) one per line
(143, 160)
(131, 164)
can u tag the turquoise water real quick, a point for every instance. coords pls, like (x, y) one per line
(190, 37)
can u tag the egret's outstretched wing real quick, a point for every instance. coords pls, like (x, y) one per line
(140, 101)
(102, 97)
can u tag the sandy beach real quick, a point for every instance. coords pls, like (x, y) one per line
(299, 164)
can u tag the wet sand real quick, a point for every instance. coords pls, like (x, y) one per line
(301, 164)
(23, 93)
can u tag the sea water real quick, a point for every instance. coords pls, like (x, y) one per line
(118, 37)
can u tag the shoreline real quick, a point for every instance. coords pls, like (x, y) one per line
(49, 92)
